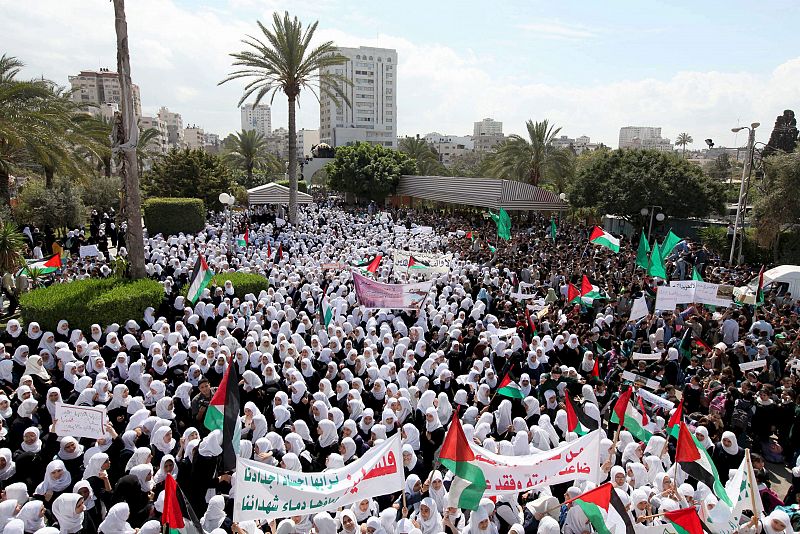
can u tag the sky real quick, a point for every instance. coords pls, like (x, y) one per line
(589, 67)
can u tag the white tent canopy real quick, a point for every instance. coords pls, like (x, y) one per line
(274, 193)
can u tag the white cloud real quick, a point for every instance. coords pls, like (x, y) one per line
(180, 54)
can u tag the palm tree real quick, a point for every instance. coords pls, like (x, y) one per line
(12, 243)
(534, 159)
(125, 138)
(282, 60)
(683, 140)
(247, 150)
(420, 151)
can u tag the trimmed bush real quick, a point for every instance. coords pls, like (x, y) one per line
(301, 184)
(243, 283)
(171, 216)
(85, 302)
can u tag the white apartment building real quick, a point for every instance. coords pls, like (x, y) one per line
(160, 144)
(487, 127)
(450, 147)
(643, 137)
(372, 113)
(194, 137)
(258, 118)
(306, 139)
(99, 88)
(174, 123)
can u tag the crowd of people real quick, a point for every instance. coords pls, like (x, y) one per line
(316, 397)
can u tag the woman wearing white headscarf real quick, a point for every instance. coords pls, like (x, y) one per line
(727, 455)
(428, 518)
(116, 520)
(56, 481)
(68, 510)
(215, 513)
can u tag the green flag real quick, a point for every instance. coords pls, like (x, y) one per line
(642, 252)
(669, 243)
(553, 229)
(656, 267)
(503, 222)
(696, 275)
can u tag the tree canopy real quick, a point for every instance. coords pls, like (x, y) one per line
(778, 204)
(188, 173)
(622, 182)
(784, 134)
(424, 155)
(368, 171)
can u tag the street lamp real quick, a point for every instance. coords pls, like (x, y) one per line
(652, 211)
(228, 200)
(751, 139)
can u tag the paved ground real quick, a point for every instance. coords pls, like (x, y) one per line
(781, 478)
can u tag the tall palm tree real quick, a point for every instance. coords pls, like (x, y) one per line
(683, 140)
(247, 150)
(420, 151)
(125, 140)
(533, 160)
(282, 60)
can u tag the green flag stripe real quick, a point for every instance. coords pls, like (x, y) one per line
(471, 496)
(594, 515)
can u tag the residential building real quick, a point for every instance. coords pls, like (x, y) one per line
(487, 142)
(160, 144)
(211, 143)
(174, 123)
(564, 142)
(487, 127)
(371, 115)
(577, 145)
(643, 137)
(306, 140)
(449, 147)
(258, 118)
(101, 87)
(194, 137)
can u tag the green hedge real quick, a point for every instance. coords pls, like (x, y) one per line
(85, 302)
(243, 283)
(301, 184)
(171, 216)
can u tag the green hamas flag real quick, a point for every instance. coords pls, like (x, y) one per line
(669, 243)
(553, 229)
(656, 267)
(503, 222)
(642, 252)
(696, 275)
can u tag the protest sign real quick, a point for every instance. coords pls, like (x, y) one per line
(376, 295)
(652, 398)
(425, 263)
(638, 379)
(419, 230)
(80, 421)
(525, 291)
(668, 298)
(266, 492)
(748, 366)
(695, 291)
(578, 460)
(89, 251)
(639, 309)
(646, 356)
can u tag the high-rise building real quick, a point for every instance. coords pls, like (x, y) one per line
(487, 127)
(174, 123)
(371, 115)
(100, 88)
(643, 137)
(258, 118)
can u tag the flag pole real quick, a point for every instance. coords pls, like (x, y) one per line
(749, 480)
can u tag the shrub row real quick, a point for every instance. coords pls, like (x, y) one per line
(170, 216)
(243, 283)
(85, 302)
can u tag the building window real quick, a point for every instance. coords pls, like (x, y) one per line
(388, 60)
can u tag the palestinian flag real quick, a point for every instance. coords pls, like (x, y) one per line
(325, 311)
(177, 516)
(509, 388)
(373, 266)
(633, 420)
(44, 267)
(223, 414)
(688, 339)
(696, 462)
(573, 294)
(530, 323)
(604, 239)
(414, 263)
(201, 277)
(577, 420)
(605, 511)
(596, 368)
(674, 423)
(279, 253)
(269, 250)
(470, 236)
(589, 291)
(760, 289)
(469, 482)
(245, 239)
(553, 229)
(686, 521)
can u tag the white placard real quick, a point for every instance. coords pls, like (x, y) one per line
(668, 298)
(80, 421)
(89, 251)
(639, 309)
(703, 292)
(652, 398)
(646, 356)
(526, 291)
(747, 366)
(639, 379)
(506, 332)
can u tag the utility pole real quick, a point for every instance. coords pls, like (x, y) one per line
(751, 140)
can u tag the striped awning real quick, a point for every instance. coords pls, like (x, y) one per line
(482, 192)
(274, 193)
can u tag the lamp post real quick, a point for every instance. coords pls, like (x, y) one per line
(228, 200)
(751, 139)
(652, 211)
